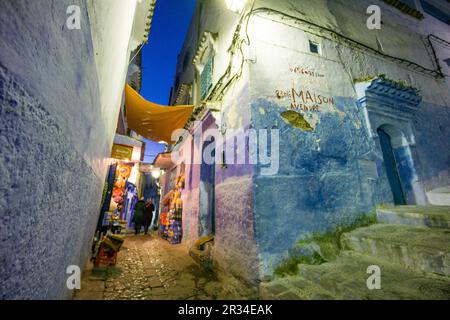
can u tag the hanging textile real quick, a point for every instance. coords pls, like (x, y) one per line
(152, 121)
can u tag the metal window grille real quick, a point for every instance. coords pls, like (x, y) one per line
(206, 78)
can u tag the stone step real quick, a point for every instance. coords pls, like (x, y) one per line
(346, 279)
(426, 216)
(293, 288)
(420, 248)
(439, 196)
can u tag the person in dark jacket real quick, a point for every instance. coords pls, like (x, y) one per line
(148, 215)
(138, 217)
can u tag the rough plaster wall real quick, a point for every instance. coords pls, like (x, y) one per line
(51, 119)
(401, 36)
(333, 174)
(235, 238)
(327, 178)
(57, 66)
(49, 198)
(111, 22)
(190, 194)
(432, 149)
(234, 224)
(316, 167)
(398, 31)
(190, 217)
(234, 248)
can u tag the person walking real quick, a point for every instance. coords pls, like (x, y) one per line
(148, 215)
(138, 217)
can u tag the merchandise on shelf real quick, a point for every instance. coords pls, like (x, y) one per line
(163, 222)
(171, 222)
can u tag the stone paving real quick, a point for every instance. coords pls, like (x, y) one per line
(150, 268)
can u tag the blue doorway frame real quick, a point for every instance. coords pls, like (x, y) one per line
(391, 167)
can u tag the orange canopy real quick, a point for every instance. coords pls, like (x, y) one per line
(153, 121)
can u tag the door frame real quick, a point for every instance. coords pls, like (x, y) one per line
(389, 105)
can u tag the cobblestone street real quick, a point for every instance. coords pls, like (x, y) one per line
(150, 268)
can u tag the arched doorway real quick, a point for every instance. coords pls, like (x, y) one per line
(391, 167)
(398, 164)
(389, 109)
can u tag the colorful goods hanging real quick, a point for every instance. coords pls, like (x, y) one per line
(171, 222)
(123, 172)
(163, 225)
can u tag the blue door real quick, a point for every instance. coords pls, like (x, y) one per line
(207, 194)
(391, 168)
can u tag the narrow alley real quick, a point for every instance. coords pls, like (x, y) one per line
(150, 268)
(224, 150)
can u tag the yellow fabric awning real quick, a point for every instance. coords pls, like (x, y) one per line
(163, 160)
(153, 121)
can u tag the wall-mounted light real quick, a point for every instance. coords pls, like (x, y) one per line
(235, 5)
(156, 174)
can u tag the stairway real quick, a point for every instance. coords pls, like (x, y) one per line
(439, 196)
(410, 244)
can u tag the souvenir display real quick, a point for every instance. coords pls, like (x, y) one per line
(123, 172)
(171, 221)
(163, 225)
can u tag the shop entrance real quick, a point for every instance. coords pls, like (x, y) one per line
(207, 192)
(106, 198)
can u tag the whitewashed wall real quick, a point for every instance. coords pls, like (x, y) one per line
(111, 22)
(322, 182)
(60, 92)
(307, 195)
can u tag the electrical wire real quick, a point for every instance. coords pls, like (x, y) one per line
(439, 40)
(231, 49)
(237, 45)
(407, 63)
(142, 45)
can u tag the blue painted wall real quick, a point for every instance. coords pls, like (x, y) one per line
(321, 183)
(432, 150)
(50, 194)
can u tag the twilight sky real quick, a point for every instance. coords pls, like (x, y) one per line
(169, 26)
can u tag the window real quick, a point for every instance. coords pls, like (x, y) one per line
(447, 61)
(408, 7)
(177, 83)
(206, 78)
(182, 168)
(434, 11)
(314, 47)
(410, 3)
(186, 60)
